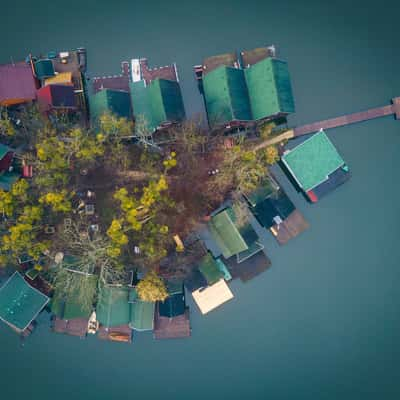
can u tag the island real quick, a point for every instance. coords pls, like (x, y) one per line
(115, 204)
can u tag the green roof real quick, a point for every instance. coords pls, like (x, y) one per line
(226, 95)
(44, 69)
(116, 102)
(3, 150)
(142, 315)
(20, 303)
(158, 103)
(312, 161)
(113, 306)
(70, 307)
(270, 90)
(253, 93)
(209, 268)
(231, 238)
(7, 179)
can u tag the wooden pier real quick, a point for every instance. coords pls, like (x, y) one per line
(393, 108)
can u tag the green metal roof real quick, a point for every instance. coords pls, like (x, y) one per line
(20, 303)
(110, 101)
(113, 306)
(270, 90)
(209, 268)
(142, 315)
(3, 150)
(159, 102)
(7, 179)
(44, 69)
(253, 93)
(226, 233)
(226, 95)
(71, 307)
(312, 161)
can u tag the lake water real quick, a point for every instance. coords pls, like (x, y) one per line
(323, 322)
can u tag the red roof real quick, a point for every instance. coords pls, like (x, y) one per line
(17, 84)
(149, 74)
(116, 82)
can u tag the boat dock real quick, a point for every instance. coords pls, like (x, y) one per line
(378, 112)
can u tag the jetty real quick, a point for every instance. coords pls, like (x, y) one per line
(348, 119)
(391, 109)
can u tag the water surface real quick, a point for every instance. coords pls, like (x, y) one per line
(323, 323)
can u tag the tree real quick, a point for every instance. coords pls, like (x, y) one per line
(152, 288)
(59, 202)
(271, 155)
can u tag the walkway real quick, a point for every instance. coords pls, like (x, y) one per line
(393, 108)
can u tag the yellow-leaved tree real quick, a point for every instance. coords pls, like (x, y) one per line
(152, 288)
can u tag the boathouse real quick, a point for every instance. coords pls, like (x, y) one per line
(156, 95)
(238, 91)
(141, 313)
(68, 67)
(234, 237)
(171, 318)
(20, 303)
(315, 166)
(116, 102)
(211, 297)
(113, 313)
(17, 84)
(71, 316)
(275, 211)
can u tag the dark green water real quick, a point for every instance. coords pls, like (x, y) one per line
(323, 323)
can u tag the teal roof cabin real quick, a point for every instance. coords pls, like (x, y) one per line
(113, 308)
(234, 237)
(141, 313)
(258, 90)
(316, 166)
(111, 101)
(156, 95)
(20, 303)
(159, 103)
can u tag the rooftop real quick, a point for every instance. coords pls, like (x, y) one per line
(209, 268)
(212, 296)
(158, 103)
(113, 308)
(20, 303)
(141, 314)
(17, 84)
(261, 91)
(312, 161)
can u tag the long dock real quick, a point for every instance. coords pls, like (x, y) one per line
(378, 112)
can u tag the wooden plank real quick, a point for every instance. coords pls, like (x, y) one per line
(349, 119)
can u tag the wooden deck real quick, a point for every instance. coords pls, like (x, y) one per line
(73, 327)
(171, 328)
(378, 112)
(292, 226)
